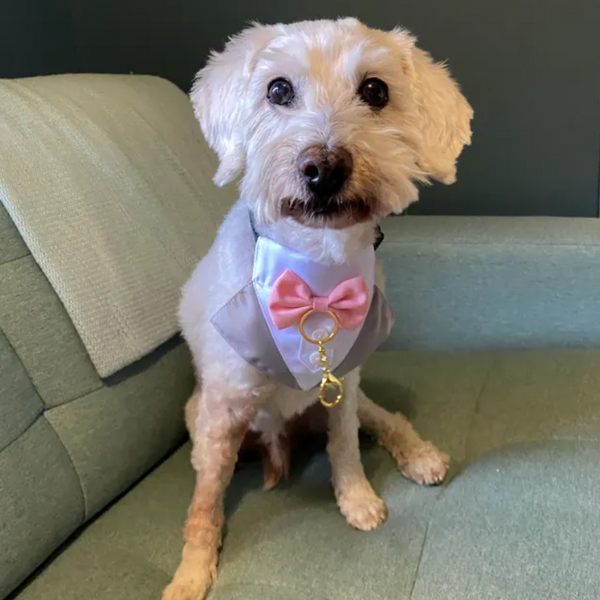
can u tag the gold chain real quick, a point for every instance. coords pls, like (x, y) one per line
(328, 380)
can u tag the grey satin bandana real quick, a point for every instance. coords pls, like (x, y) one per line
(246, 324)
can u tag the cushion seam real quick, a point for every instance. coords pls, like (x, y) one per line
(41, 415)
(43, 402)
(42, 405)
(420, 560)
(14, 259)
(476, 409)
(74, 399)
(12, 347)
(70, 457)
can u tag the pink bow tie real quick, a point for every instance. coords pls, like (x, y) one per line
(291, 298)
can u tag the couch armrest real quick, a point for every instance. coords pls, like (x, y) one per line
(471, 283)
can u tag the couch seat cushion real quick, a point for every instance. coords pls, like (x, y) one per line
(516, 520)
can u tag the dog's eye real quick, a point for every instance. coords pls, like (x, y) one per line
(374, 92)
(280, 92)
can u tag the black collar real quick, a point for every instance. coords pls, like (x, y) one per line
(379, 236)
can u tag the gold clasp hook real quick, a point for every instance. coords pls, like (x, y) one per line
(328, 380)
(331, 381)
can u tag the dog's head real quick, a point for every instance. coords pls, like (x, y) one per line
(330, 122)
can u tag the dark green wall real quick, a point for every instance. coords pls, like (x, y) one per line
(531, 69)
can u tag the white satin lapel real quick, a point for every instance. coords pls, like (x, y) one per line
(270, 261)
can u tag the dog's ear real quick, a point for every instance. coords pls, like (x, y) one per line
(443, 113)
(219, 97)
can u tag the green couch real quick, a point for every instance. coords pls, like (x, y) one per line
(492, 358)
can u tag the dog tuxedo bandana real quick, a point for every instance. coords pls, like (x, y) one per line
(261, 322)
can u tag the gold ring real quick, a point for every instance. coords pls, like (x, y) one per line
(336, 327)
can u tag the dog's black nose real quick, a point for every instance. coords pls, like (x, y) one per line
(325, 171)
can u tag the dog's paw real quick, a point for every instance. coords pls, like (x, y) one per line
(181, 591)
(362, 508)
(196, 589)
(424, 464)
(191, 582)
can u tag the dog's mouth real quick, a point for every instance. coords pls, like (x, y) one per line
(336, 213)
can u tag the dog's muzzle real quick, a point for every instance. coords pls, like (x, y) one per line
(325, 171)
(326, 174)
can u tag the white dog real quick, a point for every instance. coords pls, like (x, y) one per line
(331, 125)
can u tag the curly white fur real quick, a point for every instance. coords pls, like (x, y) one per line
(418, 136)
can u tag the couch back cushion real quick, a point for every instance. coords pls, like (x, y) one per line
(70, 442)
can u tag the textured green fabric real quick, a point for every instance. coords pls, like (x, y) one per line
(70, 463)
(519, 524)
(480, 283)
(11, 243)
(95, 438)
(517, 520)
(106, 435)
(40, 331)
(19, 402)
(40, 502)
(120, 432)
(439, 393)
(109, 181)
(515, 408)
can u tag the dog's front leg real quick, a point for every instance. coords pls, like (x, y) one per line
(221, 422)
(358, 502)
(417, 459)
